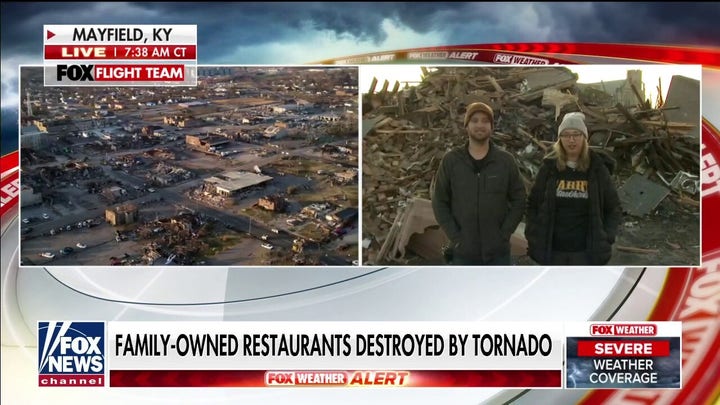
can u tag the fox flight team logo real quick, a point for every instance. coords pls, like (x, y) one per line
(71, 354)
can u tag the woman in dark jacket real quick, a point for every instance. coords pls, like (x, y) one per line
(573, 210)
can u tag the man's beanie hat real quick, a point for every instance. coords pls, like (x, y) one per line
(479, 107)
(573, 120)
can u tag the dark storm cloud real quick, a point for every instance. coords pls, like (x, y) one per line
(654, 23)
(9, 130)
(221, 26)
(224, 26)
(650, 23)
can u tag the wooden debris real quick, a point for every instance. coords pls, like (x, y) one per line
(403, 149)
(558, 99)
(630, 249)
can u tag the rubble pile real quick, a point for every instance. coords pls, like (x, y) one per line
(178, 238)
(407, 132)
(160, 153)
(165, 174)
(69, 173)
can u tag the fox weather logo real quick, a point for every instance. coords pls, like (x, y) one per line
(71, 354)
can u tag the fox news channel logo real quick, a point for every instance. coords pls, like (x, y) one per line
(71, 354)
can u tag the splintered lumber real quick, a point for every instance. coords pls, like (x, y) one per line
(638, 126)
(495, 84)
(411, 129)
(532, 138)
(631, 249)
(373, 84)
(558, 99)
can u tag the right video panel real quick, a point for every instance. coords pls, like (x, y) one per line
(583, 165)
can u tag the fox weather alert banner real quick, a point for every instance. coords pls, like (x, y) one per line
(359, 354)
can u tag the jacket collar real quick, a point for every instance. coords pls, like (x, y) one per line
(466, 153)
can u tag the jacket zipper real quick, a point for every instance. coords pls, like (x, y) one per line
(477, 211)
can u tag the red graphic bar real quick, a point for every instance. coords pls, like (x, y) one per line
(9, 191)
(9, 163)
(120, 52)
(623, 348)
(709, 57)
(710, 176)
(356, 378)
(671, 54)
(132, 73)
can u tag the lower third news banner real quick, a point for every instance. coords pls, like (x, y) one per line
(335, 354)
(624, 355)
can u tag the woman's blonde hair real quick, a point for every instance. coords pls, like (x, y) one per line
(560, 155)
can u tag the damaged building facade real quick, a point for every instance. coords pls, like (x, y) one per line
(228, 184)
(122, 215)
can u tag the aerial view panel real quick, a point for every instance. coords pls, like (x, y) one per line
(254, 166)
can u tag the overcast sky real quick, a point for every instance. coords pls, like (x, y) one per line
(297, 33)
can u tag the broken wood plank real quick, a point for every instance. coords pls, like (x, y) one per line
(495, 84)
(532, 138)
(402, 131)
(638, 126)
(631, 249)
(373, 84)
(668, 124)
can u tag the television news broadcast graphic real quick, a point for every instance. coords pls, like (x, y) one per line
(623, 355)
(700, 369)
(120, 55)
(349, 354)
(71, 354)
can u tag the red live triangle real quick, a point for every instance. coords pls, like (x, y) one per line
(50, 34)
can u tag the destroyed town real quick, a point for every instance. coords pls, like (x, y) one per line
(253, 166)
(408, 127)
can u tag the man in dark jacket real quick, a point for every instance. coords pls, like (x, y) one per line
(479, 197)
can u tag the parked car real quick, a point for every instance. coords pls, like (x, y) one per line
(45, 215)
(264, 237)
(267, 246)
(66, 250)
(81, 245)
(275, 230)
(26, 220)
(355, 263)
(48, 255)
